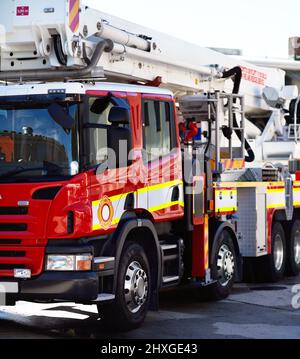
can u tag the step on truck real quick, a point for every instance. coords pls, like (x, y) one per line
(128, 166)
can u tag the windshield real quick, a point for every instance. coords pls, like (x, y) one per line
(33, 143)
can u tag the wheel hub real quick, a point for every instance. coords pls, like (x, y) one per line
(297, 248)
(225, 265)
(135, 287)
(278, 252)
(140, 287)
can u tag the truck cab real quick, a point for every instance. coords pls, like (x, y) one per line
(79, 162)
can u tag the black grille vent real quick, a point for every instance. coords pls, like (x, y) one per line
(14, 227)
(12, 254)
(46, 193)
(13, 211)
(10, 241)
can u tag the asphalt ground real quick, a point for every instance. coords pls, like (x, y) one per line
(253, 311)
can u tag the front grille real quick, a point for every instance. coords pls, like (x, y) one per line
(8, 211)
(18, 257)
(12, 266)
(10, 241)
(12, 254)
(14, 227)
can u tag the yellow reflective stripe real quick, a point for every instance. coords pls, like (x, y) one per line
(248, 184)
(114, 222)
(277, 190)
(296, 203)
(165, 205)
(152, 209)
(113, 199)
(226, 209)
(96, 203)
(143, 190)
(227, 191)
(275, 205)
(118, 197)
(160, 186)
(296, 189)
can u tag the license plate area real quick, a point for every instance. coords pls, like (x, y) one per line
(9, 287)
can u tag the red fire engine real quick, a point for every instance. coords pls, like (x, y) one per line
(101, 200)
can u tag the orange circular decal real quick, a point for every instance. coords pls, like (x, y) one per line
(105, 213)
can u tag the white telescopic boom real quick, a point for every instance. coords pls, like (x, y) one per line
(62, 35)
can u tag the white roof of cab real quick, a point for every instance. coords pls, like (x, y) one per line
(77, 88)
(108, 86)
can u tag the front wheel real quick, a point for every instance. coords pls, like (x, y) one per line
(223, 264)
(133, 291)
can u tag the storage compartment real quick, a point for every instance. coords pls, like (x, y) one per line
(252, 221)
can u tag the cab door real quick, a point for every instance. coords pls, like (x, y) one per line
(162, 159)
(111, 192)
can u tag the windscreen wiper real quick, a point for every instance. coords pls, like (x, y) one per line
(50, 167)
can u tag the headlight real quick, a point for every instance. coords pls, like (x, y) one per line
(64, 263)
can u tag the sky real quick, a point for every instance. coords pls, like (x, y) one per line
(260, 28)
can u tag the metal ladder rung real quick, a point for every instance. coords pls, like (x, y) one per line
(238, 111)
(166, 247)
(170, 279)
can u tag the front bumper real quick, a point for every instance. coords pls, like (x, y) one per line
(65, 286)
(78, 287)
(50, 287)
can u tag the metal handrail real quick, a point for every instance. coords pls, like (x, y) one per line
(295, 117)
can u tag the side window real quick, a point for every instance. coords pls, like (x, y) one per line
(158, 129)
(5, 124)
(96, 138)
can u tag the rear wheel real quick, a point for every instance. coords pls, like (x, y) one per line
(133, 291)
(293, 249)
(272, 267)
(223, 266)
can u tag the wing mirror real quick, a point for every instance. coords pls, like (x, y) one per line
(61, 116)
(119, 116)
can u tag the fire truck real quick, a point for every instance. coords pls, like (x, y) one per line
(131, 161)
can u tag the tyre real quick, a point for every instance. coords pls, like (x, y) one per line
(223, 266)
(293, 249)
(271, 268)
(133, 291)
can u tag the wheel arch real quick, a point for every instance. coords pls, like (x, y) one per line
(280, 216)
(141, 230)
(215, 229)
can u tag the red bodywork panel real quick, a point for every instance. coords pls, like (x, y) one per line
(200, 251)
(45, 219)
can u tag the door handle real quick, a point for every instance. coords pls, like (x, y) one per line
(175, 194)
